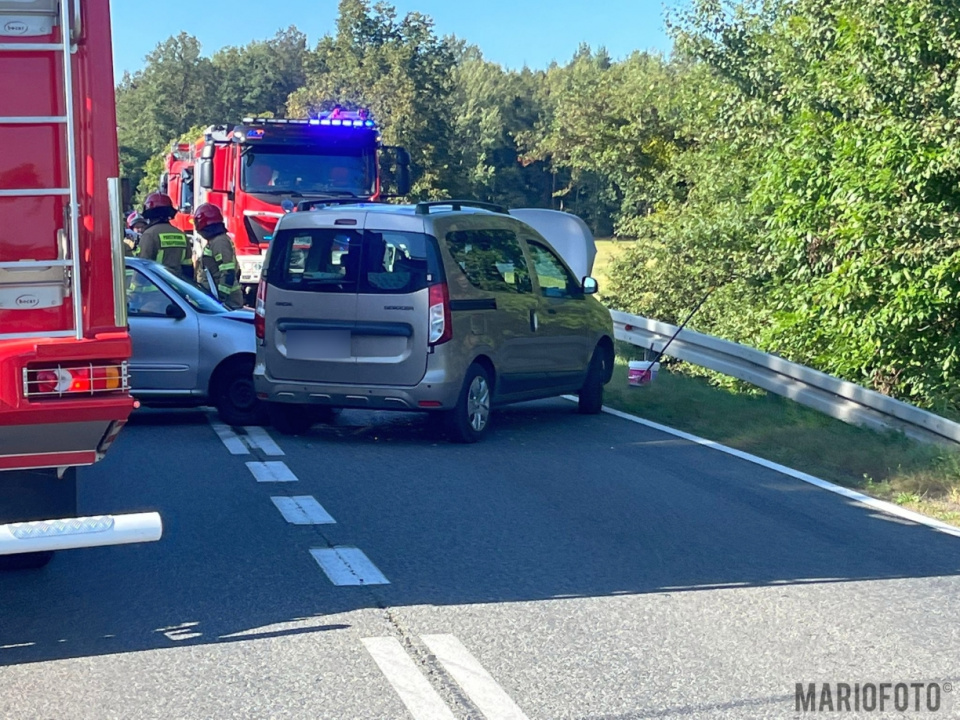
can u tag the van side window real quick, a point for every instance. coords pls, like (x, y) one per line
(555, 280)
(491, 259)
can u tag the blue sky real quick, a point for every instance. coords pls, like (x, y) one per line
(510, 32)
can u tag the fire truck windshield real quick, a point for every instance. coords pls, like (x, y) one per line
(297, 171)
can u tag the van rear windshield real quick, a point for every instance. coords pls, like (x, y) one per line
(349, 261)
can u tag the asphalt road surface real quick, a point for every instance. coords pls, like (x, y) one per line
(567, 567)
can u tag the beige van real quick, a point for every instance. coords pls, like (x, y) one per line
(452, 308)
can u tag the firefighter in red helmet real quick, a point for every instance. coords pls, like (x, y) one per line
(161, 241)
(219, 255)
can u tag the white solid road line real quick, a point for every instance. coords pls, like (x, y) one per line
(272, 471)
(303, 510)
(476, 682)
(346, 565)
(259, 439)
(234, 444)
(416, 692)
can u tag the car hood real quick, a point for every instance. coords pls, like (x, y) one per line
(240, 315)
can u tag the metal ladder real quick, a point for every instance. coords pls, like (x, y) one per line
(38, 18)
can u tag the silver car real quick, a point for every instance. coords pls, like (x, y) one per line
(188, 348)
(440, 307)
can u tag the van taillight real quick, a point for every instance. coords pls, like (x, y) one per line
(260, 318)
(441, 324)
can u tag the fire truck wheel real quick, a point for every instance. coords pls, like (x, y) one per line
(234, 394)
(26, 561)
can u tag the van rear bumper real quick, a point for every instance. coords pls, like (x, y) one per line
(436, 391)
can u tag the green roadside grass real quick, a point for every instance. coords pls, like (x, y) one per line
(607, 250)
(888, 466)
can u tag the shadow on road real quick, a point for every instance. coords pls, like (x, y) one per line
(553, 505)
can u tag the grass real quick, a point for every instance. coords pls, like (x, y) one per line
(607, 250)
(889, 466)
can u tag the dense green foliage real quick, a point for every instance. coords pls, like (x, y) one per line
(800, 157)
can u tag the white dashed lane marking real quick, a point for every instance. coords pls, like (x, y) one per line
(303, 510)
(346, 565)
(272, 471)
(252, 438)
(415, 691)
(477, 683)
(259, 439)
(234, 444)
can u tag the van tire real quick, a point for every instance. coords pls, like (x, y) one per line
(234, 394)
(590, 400)
(291, 419)
(25, 561)
(469, 421)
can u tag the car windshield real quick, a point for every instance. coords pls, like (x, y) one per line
(293, 170)
(195, 295)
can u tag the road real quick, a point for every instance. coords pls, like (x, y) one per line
(568, 567)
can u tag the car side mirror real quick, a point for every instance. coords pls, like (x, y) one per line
(590, 286)
(175, 311)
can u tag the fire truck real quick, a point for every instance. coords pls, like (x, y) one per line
(64, 346)
(260, 169)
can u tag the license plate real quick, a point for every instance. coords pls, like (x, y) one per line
(318, 344)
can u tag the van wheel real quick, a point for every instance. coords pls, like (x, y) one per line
(235, 396)
(290, 419)
(590, 401)
(25, 561)
(469, 421)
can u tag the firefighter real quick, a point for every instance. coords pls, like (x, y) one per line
(219, 255)
(161, 241)
(135, 227)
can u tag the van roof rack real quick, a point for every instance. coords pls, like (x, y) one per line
(424, 207)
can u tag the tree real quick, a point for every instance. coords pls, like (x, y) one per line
(162, 101)
(402, 72)
(257, 79)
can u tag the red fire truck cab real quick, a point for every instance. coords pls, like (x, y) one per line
(64, 392)
(258, 170)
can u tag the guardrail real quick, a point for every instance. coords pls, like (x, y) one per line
(843, 400)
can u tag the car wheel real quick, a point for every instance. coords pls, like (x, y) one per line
(25, 561)
(291, 419)
(235, 396)
(469, 421)
(590, 400)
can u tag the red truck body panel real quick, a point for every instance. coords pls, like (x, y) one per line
(35, 156)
